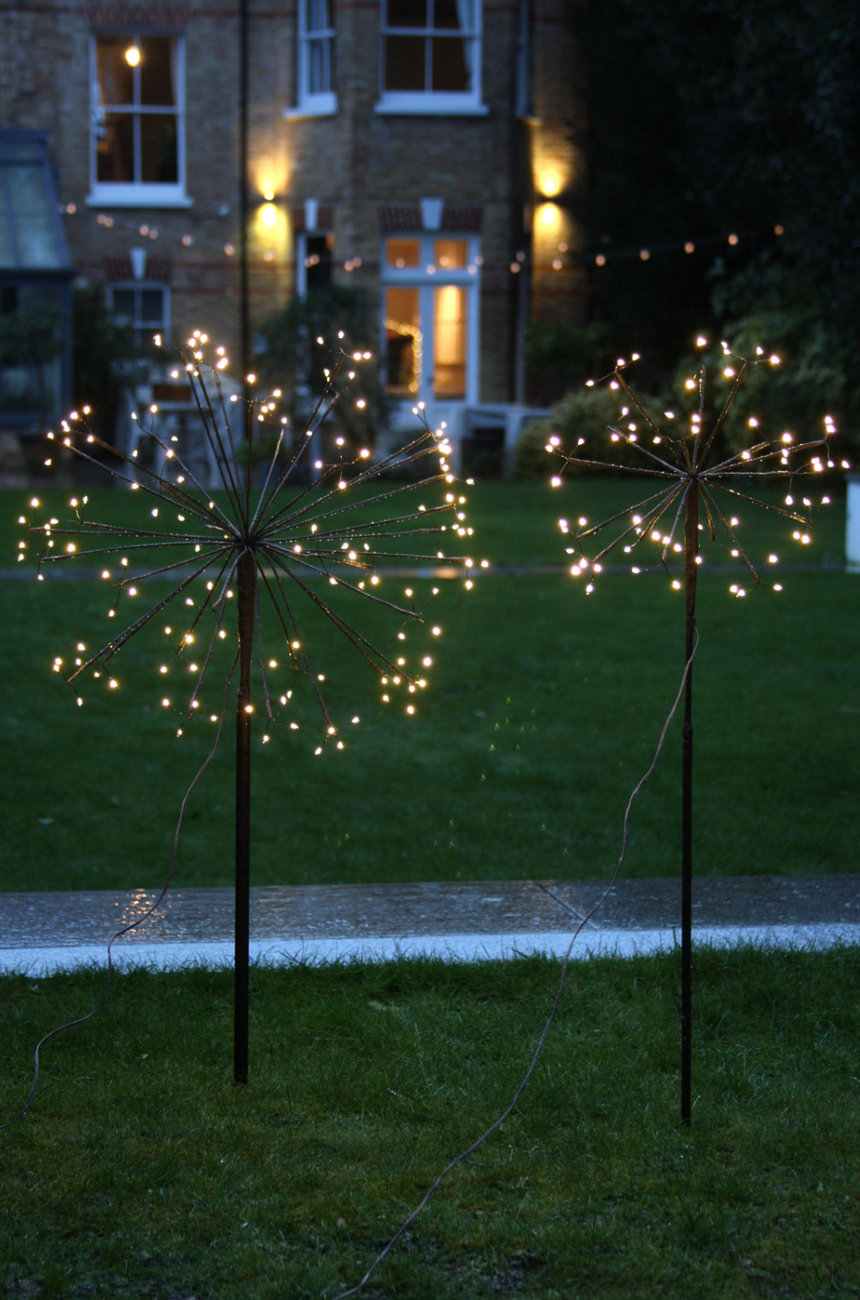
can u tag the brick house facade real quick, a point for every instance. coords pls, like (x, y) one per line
(424, 149)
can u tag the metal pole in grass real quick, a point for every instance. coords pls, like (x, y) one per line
(244, 323)
(673, 454)
(691, 551)
(244, 708)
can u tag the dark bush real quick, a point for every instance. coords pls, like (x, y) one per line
(290, 358)
(581, 423)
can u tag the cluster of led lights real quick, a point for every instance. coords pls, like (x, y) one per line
(297, 535)
(682, 459)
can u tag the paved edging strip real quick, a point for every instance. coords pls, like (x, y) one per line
(42, 962)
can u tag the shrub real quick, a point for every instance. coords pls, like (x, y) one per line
(289, 358)
(580, 420)
(794, 395)
(103, 356)
(559, 356)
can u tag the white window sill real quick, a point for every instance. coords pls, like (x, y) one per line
(323, 106)
(137, 196)
(427, 104)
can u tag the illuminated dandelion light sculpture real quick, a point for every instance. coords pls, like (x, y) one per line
(321, 543)
(677, 461)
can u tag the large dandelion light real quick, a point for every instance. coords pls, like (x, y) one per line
(227, 579)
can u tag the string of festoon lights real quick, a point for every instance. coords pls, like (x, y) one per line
(562, 257)
(326, 531)
(168, 241)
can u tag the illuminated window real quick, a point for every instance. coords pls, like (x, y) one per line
(146, 307)
(431, 57)
(137, 145)
(430, 323)
(316, 67)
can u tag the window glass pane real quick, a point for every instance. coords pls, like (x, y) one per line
(449, 341)
(7, 243)
(319, 66)
(157, 70)
(115, 74)
(115, 148)
(407, 13)
(451, 57)
(319, 249)
(402, 252)
(403, 340)
(123, 303)
(34, 221)
(318, 16)
(456, 14)
(451, 253)
(152, 307)
(28, 389)
(27, 384)
(158, 153)
(404, 63)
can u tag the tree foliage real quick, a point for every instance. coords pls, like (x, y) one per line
(710, 116)
(291, 358)
(103, 355)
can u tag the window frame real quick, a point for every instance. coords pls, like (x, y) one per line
(448, 103)
(323, 103)
(419, 277)
(140, 329)
(301, 256)
(138, 194)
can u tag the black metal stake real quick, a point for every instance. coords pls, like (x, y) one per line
(244, 309)
(691, 551)
(246, 587)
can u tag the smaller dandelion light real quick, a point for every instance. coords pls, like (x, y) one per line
(688, 481)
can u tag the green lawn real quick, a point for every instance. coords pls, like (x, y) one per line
(142, 1172)
(515, 522)
(542, 711)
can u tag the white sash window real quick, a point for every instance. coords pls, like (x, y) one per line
(431, 57)
(137, 136)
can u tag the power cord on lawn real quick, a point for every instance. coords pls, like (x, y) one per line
(71, 1024)
(464, 1155)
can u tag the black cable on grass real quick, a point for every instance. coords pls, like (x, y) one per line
(72, 1024)
(523, 1084)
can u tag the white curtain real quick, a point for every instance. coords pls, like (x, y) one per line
(466, 21)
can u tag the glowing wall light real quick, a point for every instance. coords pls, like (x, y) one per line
(549, 181)
(549, 218)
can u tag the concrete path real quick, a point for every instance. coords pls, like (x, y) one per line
(41, 933)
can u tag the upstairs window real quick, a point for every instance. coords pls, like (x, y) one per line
(137, 121)
(431, 56)
(316, 70)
